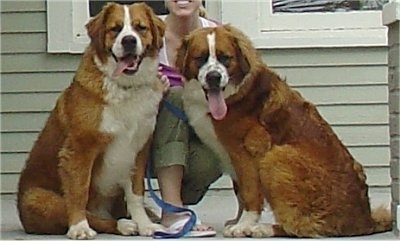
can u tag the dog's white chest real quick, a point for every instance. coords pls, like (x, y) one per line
(130, 122)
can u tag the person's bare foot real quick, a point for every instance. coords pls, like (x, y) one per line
(169, 219)
(202, 227)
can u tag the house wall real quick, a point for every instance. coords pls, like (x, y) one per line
(391, 17)
(348, 85)
(394, 97)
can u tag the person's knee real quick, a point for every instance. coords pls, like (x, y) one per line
(175, 96)
(191, 195)
(206, 171)
(198, 180)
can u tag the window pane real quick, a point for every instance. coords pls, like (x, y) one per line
(306, 6)
(95, 6)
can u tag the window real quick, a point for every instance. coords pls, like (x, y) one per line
(269, 23)
(308, 23)
(66, 21)
(307, 6)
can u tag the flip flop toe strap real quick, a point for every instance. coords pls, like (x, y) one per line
(187, 226)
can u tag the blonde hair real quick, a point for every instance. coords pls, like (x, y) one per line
(202, 11)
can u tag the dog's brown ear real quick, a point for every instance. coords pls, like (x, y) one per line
(95, 27)
(157, 28)
(245, 49)
(182, 55)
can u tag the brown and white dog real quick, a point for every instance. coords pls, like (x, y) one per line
(280, 149)
(85, 173)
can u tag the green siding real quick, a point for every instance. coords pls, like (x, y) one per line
(23, 121)
(17, 141)
(332, 57)
(42, 62)
(361, 94)
(10, 6)
(34, 101)
(348, 85)
(29, 22)
(35, 82)
(14, 43)
(334, 76)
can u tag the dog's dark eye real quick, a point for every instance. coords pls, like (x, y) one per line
(201, 60)
(141, 28)
(224, 59)
(116, 28)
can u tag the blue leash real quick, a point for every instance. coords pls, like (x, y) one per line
(187, 227)
(175, 110)
(170, 208)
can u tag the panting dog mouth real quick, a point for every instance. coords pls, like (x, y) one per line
(128, 64)
(216, 103)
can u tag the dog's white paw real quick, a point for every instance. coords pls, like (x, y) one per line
(81, 230)
(237, 230)
(262, 230)
(149, 228)
(127, 227)
(259, 230)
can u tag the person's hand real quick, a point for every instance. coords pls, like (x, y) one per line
(164, 81)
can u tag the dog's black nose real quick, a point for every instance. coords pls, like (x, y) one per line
(129, 43)
(213, 79)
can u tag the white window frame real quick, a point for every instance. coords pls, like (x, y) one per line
(302, 30)
(66, 26)
(67, 34)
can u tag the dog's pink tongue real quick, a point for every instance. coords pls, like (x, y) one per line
(122, 65)
(216, 104)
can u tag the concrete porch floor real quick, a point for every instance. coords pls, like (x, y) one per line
(214, 209)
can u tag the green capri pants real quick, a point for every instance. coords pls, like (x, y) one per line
(175, 143)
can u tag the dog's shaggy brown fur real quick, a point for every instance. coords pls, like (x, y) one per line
(280, 148)
(85, 172)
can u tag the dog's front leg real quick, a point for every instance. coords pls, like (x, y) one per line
(76, 162)
(134, 192)
(248, 184)
(240, 206)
